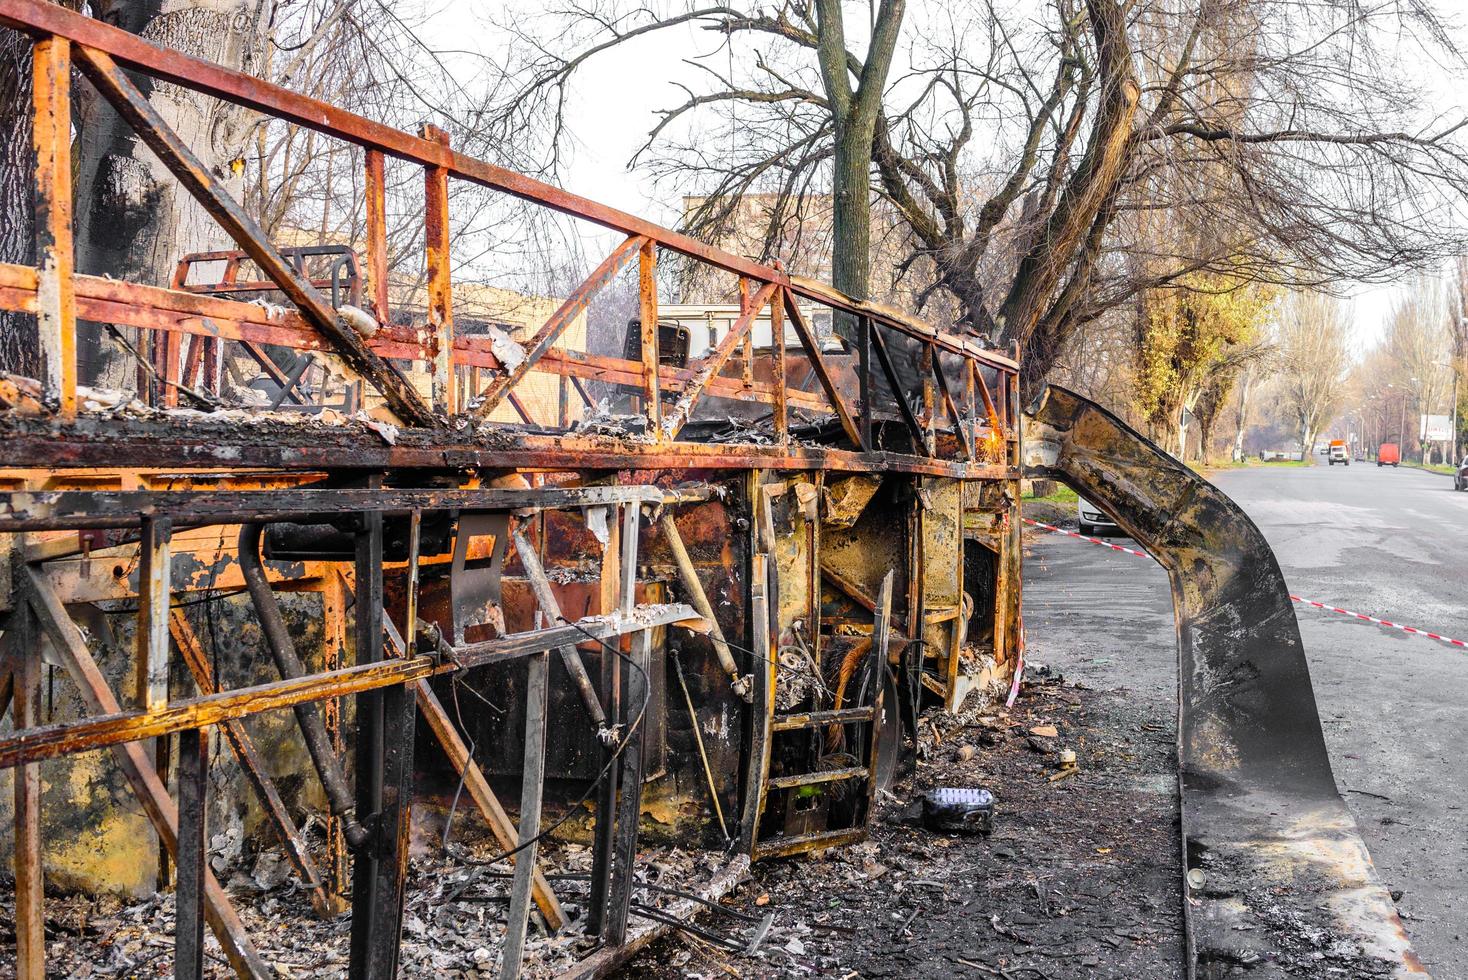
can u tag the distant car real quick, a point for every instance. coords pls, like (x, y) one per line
(1092, 521)
(1338, 454)
(1388, 455)
(1460, 479)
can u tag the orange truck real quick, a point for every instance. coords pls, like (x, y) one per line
(1388, 455)
(1337, 452)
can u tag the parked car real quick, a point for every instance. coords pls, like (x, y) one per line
(1092, 521)
(1338, 454)
(1460, 479)
(1388, 455)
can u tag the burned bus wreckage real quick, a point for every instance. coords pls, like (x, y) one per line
(691, 597)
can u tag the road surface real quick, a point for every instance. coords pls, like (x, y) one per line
(1389, 542)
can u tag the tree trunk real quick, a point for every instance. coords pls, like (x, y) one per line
(1245, 386)
(133, 220)
(19, 348)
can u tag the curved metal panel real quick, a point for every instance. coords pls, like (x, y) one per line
(1278, 879)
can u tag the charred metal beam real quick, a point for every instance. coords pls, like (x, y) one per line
(193, 799)
(688, 575)
(545, 597)
(532, 789)
(71, 509)
(20, 665)
(812, 345)
(629, 798)
(175, 154)
(884, 358)
(115, 726)
(308, 713)
(55, 294)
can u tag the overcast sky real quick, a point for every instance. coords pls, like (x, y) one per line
(615, 101)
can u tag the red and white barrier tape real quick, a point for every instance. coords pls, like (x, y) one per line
(1308, 602)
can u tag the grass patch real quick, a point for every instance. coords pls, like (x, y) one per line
(1062, 495)
(1442, 468)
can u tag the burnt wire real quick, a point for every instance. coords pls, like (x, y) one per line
(571, 811)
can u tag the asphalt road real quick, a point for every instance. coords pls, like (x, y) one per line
(1389, 542)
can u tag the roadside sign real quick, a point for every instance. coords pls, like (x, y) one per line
(1436, 428)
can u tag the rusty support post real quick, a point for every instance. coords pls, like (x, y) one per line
(629, 801)
(608, 599)
(930, 400)
(440, 289)
(377, 234)
(780, 402)
(763, 708)
(133, 761)
(155, 565)
(334, 603)
(55, 299)
(647, 297)
(384, 781)
(193, 783)
(812, 345)
(24, 664)
(532, 787)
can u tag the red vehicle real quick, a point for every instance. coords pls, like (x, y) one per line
(1388, 454)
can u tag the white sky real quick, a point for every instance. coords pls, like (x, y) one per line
(614, 101)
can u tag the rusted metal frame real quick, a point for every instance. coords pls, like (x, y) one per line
(816, 778)
(268, 365)
(68, 509)
(635, 707)
(763, 709)
(581, 390)
(688, 575)
(994, 422)
(608, 599)
(971, 406)
(20, 664)
(243, 748)
(475, 782)
(376, 201)
(715, 360)
(545, 338)
(439, 339)
(55, 299)
(545, 598)
(41, 17)
(193, 797)
(780, 403)
(175, 154)
(532, 789)
(908, 415)
(952, 406)
(116, 726)
(647, 300)
(811, 343)
(66, 639)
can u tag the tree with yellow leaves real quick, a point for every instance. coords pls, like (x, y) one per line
(1192, 339)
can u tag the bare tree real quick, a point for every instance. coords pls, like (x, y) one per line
(1022, 150)
(1314, 362)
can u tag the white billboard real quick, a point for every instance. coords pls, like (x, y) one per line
(1436, 428)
